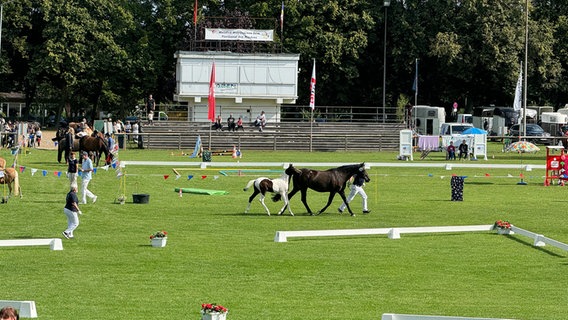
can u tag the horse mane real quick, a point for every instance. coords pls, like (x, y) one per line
(350, 167)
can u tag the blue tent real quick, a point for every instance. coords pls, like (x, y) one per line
(474, 131)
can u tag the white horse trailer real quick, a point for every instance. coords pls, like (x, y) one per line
(429, 119)
(551, 122)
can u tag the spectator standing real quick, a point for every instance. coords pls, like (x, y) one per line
(150, 108)
(38, 137)
(357, 188)
(71, 210)
(72, 169)
(86, 175)
(69, 138)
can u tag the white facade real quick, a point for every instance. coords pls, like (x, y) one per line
(245, 84)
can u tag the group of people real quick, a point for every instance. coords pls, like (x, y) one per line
(232, 125)
(9, 130)
(462, 150)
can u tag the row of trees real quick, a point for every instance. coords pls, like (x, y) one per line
(109, 54)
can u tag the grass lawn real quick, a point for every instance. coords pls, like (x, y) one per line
(216, 253)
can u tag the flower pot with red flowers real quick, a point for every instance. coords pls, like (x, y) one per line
(212, 311)
(159, 239)
(502, 227)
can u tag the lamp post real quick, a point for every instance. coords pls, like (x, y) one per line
(386, 5)
(1, 16)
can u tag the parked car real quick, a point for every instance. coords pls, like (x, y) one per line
(452, 128)
(535, 133)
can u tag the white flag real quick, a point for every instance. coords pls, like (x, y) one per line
(518, 91)
(313, 88)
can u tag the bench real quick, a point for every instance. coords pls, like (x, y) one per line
(26, 309)
(54, 244)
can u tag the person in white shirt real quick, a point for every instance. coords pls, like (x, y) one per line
(86, 175)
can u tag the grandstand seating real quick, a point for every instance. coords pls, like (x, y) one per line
(329, 136)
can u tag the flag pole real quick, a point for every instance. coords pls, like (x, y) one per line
(312, 100)
(195, 25)
(211, 101)
(416, 83)
(526, 62)
(282, 27)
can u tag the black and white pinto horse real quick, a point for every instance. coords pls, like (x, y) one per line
(278, 186)
(331, 180)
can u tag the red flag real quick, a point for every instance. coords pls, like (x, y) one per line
(313, 88)
(211, 114)
(166, 176)
(195, 13)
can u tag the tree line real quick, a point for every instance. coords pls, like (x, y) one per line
(94, 55)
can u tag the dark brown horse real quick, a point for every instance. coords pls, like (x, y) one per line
(96, 144)
(331, 180)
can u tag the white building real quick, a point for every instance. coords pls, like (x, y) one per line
(245, 84)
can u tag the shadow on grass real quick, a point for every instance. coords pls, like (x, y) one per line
(529, 244)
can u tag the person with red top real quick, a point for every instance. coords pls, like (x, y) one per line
(451, 151)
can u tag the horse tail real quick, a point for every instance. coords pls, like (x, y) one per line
(276, 197)
(249, 184)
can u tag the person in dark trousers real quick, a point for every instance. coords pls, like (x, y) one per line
(357, 188)
(150, 108)
(451, 151)
(72, 169)
(231, 123)
(463, 150)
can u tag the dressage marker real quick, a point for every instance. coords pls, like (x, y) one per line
(394, 233)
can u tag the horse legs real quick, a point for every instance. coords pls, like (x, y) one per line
(251, 198)
(286, 204)
(329, 200)
(262, 201)
(304, 194)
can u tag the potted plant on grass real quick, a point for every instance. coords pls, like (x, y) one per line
(502, 226)
(212, 311)
(159, 239)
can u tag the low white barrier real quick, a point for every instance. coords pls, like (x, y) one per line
(54, 244)
(538, 239)
(394, 316)
(26, 309)
(393, 233)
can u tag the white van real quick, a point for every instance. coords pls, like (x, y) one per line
(453, 128)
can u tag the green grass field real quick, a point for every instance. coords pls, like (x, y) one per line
(215, 253)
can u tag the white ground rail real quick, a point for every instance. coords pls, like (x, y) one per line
(394, 316)
(54, 244)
